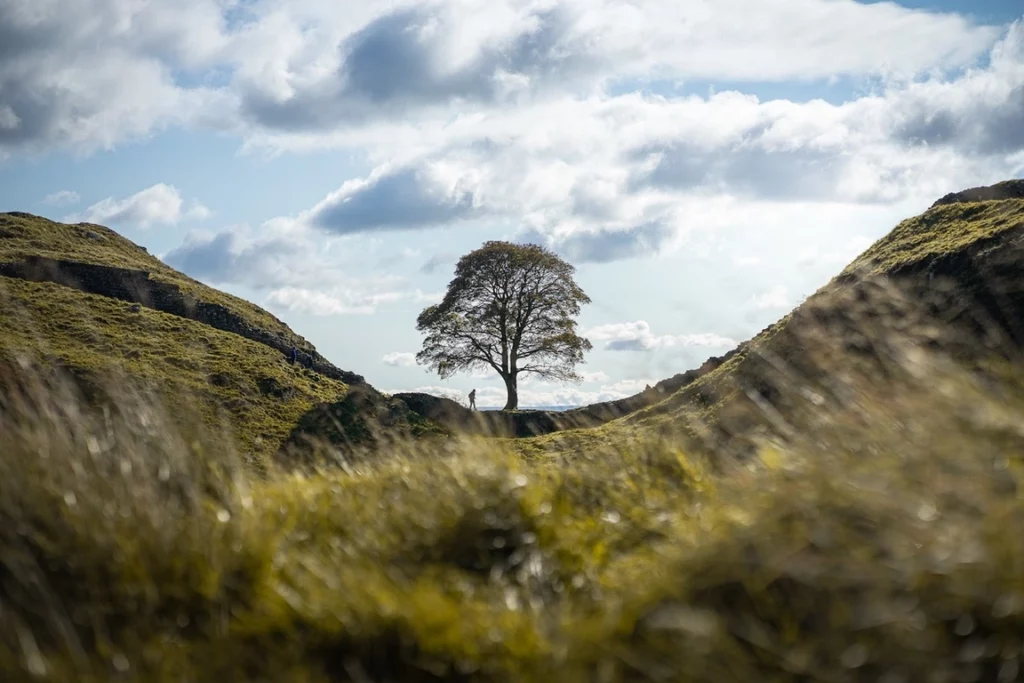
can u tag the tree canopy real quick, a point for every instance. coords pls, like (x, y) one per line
(510, 308)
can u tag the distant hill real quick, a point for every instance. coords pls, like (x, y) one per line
(86, 300)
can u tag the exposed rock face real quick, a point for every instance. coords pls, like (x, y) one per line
(978, 290)
(526, 423)
(136, 286)
(363, 422)
(1010, 189)
(496, 423)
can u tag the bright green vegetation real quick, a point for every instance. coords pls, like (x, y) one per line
(22, 236)
(223, 379)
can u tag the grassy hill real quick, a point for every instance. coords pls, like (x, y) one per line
(960, 231)
(23, 236)
(951, 279)
(222, 379)
(839, 500)
(228, 378)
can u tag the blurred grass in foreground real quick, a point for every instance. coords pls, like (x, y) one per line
(880, 543)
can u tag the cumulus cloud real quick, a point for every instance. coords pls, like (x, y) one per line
(159, 204)
(197, 212)
(98, 71)
(637, 336)
(982, 113)
(89, 73)
(391, 60)
(62, 198)
(357, 300)
(360, 297)
(529, 112)
(400, 359)
(402, 59)
(295, 269)
(603, 177)
(237, 255)
(393, 200)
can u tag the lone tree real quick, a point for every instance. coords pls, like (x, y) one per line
(510, 307)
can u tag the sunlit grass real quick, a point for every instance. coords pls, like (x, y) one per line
(841, 501)
(24, 236)
(223, 379)
(882, 542)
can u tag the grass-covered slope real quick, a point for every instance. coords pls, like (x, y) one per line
(225, 380)
(946, 229)
(882, 545)
(78, 311)
(870, 533)
(25, 236)
(951, 278)
(98, 261)
(95, 305)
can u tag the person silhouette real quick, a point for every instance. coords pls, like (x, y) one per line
(472, 400)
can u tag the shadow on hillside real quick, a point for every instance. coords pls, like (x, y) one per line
(529, 423)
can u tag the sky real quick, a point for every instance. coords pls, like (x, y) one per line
(705, 164)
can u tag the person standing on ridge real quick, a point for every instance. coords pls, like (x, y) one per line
(472, 400)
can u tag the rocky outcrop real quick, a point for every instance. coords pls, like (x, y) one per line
(977, 290)
(137, 287)
(362, 423)
(1009, 189)
(497, 423)
(526, 423)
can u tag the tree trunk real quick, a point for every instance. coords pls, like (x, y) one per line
(513, 393)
